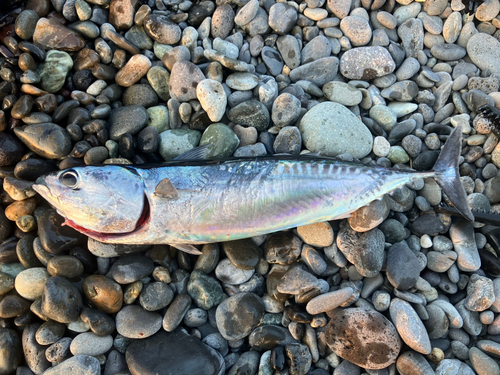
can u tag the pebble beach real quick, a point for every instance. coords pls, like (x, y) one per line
(404, 286)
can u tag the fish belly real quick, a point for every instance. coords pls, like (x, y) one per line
(237, 200)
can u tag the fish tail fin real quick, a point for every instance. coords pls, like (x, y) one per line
(447, 175)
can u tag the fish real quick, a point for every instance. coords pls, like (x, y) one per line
(189, 202)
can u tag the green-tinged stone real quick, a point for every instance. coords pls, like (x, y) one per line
(274, 319)
(138, 37)
(54, 70)
(159, 79)
(177, 141)
(158, 118)
(161, 49)
(205, 291)
(11, 269)
(86, 28)
(222, 139)
(397, 155)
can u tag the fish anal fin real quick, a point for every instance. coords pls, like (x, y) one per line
(187, 248)
(197, 153)
(165, 189)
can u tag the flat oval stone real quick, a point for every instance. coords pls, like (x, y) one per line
(175, 352)
(161, 29)
(11, 150)
(366, 63)
(103, 292)
(331, 129)
(88, 343)
(135, 68)
(127, 120)
(79, 364)
(47, 140)
(134, 322)
(238, 315)
(409, 326)
(52, 35)
(363, 337)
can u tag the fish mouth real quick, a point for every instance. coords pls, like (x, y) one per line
(142, 223)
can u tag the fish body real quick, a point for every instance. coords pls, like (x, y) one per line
(188, 203)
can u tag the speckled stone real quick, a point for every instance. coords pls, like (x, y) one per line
(364, 337)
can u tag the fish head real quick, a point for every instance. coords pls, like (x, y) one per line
(97, 200)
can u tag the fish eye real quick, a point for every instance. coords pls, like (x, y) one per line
(69, 179)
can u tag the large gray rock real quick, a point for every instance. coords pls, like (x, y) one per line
(331, 129)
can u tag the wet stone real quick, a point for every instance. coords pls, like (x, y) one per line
(378, 343)
(267, 337)
(177, 350)
(103, 292)
(52, 35)
(54, 237)
(11, 150)
(61, 300)
(238, 315)
(47, 140)
(65, 265)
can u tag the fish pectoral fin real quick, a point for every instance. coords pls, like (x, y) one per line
(165, 189)
(197, 153)
(187, 248)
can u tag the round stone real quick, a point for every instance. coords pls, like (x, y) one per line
(331, 129)
(134, 322)
(127, 120)
(286, 110)
(89, 343)
(103, 292)
(161, 29)
(31, 282)
(184, 80)
(238, 315)
(222, 141)
(363, 337)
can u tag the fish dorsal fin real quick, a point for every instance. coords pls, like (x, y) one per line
(197, 153)
(165, 189)
(187, 248)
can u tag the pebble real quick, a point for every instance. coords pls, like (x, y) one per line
(409, 326)
(366, 63)
(53, 35)
(176, 350)
(329, 301)
(127, 120)
(205, 291)
(61, 300)
(133, 71)
(238, 315)
(351, 244)
(322, 126)
(134, 322)
(369, 330)
(212, 98)
(161, 29)
(402, 267)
